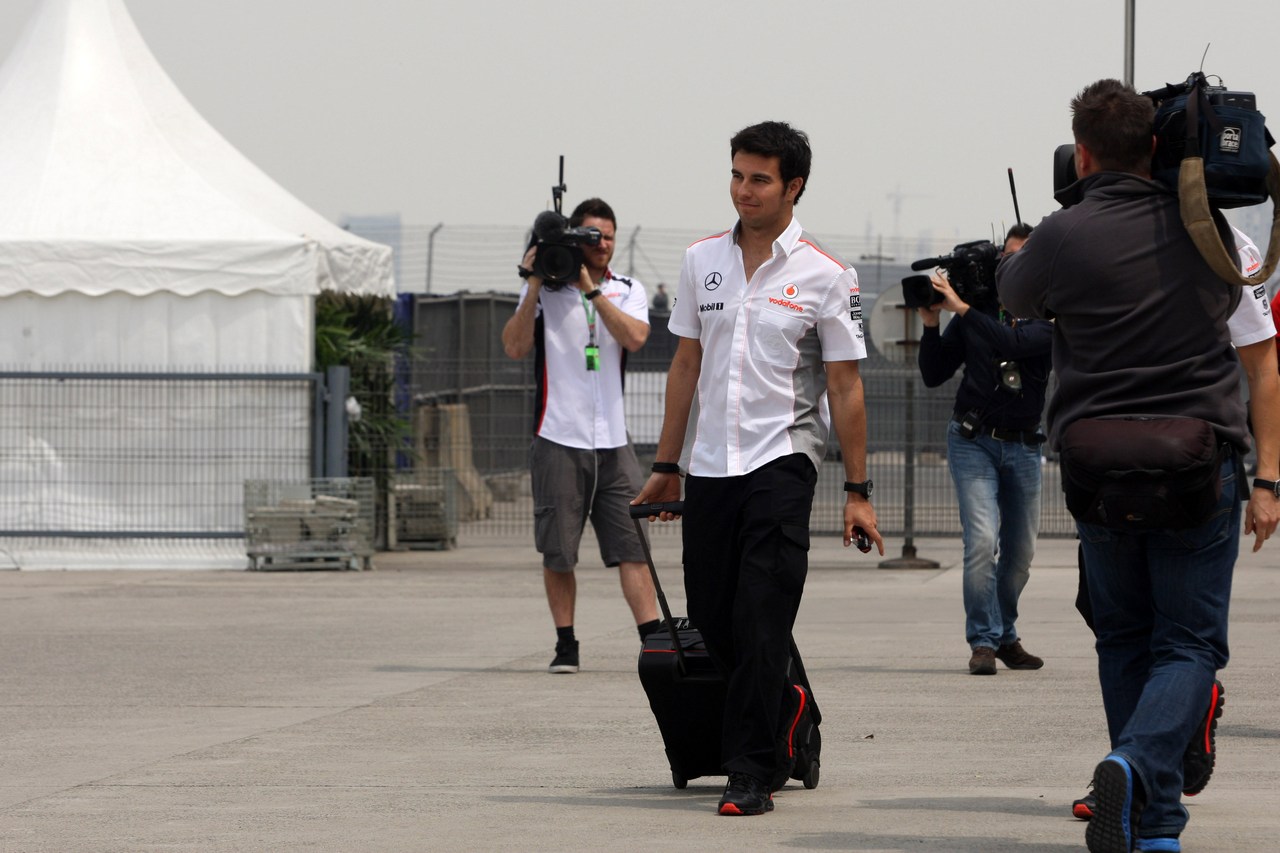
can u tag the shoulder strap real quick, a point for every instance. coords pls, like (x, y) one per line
(1197, 218)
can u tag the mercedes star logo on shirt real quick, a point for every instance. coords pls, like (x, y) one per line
(712, 281)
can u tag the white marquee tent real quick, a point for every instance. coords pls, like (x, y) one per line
(133, 237)
(131, 232)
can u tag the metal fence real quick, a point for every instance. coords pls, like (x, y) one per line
(473, 415)
(115, 455)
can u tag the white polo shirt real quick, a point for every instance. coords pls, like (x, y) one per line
(577, 407)
(763, 347)
(1251, 321)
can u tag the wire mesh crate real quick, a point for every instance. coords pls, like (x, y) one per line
(425, 509)
(323, 523)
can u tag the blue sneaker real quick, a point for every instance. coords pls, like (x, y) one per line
(1111, 830)
(1159, 845)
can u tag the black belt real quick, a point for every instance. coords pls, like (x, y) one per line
(1024, 436)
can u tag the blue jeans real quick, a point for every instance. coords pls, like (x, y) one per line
(1160, 602)
(998, 489)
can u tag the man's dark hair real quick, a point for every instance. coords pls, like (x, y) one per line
(592, 207)
(1021, 230)
(1115, 123)
(781, 140)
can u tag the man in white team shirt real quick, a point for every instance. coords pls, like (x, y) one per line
(582, 464)
(769, 324)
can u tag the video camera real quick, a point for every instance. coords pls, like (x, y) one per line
(559, 256)
(1195, 119)
(559, 249)
(971, 269)
(1214, 150)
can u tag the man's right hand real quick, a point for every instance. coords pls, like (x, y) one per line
(527, 263)
(931, 314)
(660, 489)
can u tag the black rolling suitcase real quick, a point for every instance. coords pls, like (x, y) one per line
(687, 695)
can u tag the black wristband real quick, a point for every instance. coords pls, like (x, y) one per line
(665, 468)
(864, 488)
(524, 273)
(593, 294)
(1272, 486)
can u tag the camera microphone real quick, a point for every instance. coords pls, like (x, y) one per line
(929, 263)
(548, 224)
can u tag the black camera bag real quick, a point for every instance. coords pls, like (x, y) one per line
(1223, 128)
(1213, 148)
(1137, 473)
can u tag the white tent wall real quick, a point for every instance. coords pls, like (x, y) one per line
(134, 237)
(252, 331)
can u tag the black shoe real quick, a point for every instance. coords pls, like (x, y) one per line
(1084, 807)
(983, 661)
(566, 659)
(1114, 824)
(1197, 761)
(745, 795)
(1015, 656)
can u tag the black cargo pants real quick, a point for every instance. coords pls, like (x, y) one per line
(746, 555)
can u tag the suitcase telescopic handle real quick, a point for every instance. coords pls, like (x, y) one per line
(646, 510)
(639, 512)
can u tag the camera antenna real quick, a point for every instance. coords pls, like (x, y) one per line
(557, 192)
(1014, 190)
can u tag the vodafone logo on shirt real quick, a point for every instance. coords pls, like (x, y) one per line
(790, 291)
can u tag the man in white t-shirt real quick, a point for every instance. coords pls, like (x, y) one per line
(582, 464)
(770, 323)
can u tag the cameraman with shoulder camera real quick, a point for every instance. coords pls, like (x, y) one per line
(1144, 363)
(582, 464)
(993, 445)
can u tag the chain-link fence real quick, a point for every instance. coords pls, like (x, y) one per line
(473, 416)
(106, 455)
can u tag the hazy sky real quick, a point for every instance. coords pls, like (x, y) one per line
(457, 112)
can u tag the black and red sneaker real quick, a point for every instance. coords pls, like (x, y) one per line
(1084, 807)
(745, 795)
(1197, 761)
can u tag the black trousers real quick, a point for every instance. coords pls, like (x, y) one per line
(746, 555)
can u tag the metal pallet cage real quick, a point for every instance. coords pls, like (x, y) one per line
(321, 523)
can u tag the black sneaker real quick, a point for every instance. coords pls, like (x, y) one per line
(1197, 761)
(1084, 807)
(1115, 818)
(1015, 656)
(566, 659)
(745, 795)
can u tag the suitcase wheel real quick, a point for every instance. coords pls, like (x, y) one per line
(811, 777)
(679, 781)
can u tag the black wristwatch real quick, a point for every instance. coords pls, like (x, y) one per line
(593, 294)
(1272, 486)
(864, 488)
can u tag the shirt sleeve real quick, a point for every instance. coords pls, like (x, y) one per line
(524, 292)
(636, 302)
(1251, 321)
(840, 320)
(684, 309)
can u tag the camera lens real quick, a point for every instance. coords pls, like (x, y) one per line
(558, 263)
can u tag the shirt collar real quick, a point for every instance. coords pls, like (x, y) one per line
(785, 242)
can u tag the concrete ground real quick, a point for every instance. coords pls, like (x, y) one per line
(408, 709)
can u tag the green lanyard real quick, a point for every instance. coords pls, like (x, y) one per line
(592, 351)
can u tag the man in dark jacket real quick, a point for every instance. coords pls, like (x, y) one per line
(993, 451)
(1141, 329)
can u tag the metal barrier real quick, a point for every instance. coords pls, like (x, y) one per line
(486, 429)
(132, 455)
